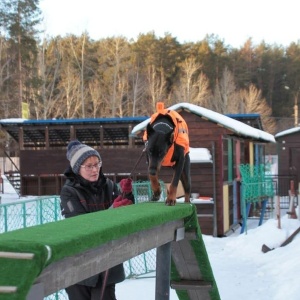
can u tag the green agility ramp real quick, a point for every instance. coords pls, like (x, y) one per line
(61, 253)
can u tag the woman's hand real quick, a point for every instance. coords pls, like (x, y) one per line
(119, 201)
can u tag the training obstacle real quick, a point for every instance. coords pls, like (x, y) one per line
(56, 255)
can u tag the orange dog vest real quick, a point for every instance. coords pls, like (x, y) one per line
(181, 136)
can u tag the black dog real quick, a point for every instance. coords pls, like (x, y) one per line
(167, 144)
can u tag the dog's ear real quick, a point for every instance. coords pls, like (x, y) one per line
(150, 130)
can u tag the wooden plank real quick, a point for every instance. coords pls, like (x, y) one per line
(185, 260)
(191, 285)
(64, 273)
(187, 266)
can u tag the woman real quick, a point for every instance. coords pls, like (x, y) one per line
(88, 190)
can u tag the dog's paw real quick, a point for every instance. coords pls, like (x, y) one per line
(155, 197)
(170, 202)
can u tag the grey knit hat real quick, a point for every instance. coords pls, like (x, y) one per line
(77, 153)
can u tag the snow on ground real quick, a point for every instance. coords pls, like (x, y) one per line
(241, 269)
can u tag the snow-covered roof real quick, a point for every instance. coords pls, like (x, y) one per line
(14, 121)
(224, 121)
(200, 155)
(287, 132)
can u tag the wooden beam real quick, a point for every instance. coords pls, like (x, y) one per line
(71, 270)
(72, 133)
(191, 285)
(130, 139)
(186, 263)
(21, 138)
(47, 139)
(101, 137)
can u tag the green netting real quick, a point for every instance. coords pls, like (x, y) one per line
(143, 193)
(256, 186)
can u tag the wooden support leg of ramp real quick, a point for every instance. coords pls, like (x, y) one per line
(191, 278)
(163, 268)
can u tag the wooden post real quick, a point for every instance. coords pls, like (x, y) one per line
(292, 212)
(292, 187)
(47, 140)
(278, 211)
(163, 268)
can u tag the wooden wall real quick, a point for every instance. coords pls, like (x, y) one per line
(288, 149)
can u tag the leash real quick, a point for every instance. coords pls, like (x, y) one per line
(139, 159)
(104, 284)
(106, 272)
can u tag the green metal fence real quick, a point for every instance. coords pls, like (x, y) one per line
(43, 210)
(257, 189)
(142, 191)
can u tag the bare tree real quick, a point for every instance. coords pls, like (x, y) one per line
(138, 82)
(186, 90)
(69, 99)
(5, 76)
(96, 97)
(117, 57)
(79, 59)
(225, 97)
(156, 84)
(255, 103)
(49, 58)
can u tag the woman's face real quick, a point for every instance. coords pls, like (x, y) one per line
(90, 168)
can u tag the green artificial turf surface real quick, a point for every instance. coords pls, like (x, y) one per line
(75, 235)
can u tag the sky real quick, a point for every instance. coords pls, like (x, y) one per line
(240, 268)
(233, 21)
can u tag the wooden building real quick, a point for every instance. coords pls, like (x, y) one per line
(42, 151)
(42, 148)
(288, 151)
(231, 143)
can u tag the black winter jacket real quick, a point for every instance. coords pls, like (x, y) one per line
(79, 196)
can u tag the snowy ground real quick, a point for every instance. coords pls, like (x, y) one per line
(241, 269)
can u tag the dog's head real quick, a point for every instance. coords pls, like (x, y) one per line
(158, 145)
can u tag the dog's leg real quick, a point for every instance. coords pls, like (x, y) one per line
(171, 198)
(156, 189)
(178, 168)
(186, 179)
